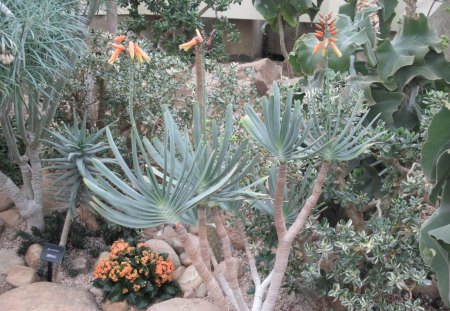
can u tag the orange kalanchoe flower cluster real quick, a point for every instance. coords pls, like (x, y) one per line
(133, 267)
(326, 30)
(163, 270)
(194, 41)
(133, 50)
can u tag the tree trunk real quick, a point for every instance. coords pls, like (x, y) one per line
(285, 243)
(206, 275)
(29, 209)
(231, 273)
(111, 16)
(202, 236)
(283, 45)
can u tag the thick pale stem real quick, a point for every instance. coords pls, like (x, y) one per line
(285, 245)
(231, 273)
(218, 273)
(202, 236)
(283, 45)
(259, 293)
(250, 257)
(280, 224)
(36, 177)
(206, 275)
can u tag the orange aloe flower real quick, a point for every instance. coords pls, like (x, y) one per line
(133, 50)
(140, 54)
(326, 29)
(196, 40)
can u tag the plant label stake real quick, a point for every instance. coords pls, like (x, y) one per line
(52, 254)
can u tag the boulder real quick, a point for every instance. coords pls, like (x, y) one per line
(11, 218)
(8, 258)
(185, 260)
(96, 291)
(80, 264)
(20, 276)
(45, 296)
(266, 71)
(33, 255)
(178, 273)
(190, 279)
(185, 304)
(115, 306)
(176, 245)
(163, 247)
(5, 202)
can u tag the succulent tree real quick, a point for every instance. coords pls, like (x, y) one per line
(337, 138)
(40, 42)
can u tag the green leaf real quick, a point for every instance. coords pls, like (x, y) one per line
(438, 137)
(441, 233)
(391, 59)
(416, 38)
(386, 104)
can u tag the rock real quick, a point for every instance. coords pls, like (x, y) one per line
(101, 257)
(266, 71)
(184, 304)
(88, 218)
(45, 296)
(163, 247)
(5, 202)
(115, 306)
(201, 291)
(97, 292)
(32, 257)
(168, 233)
(185, 260)
(178, 273)
(190, 279)
(152, 233)
(8, 258)
(176, 245)
(11, 218)
(237, 266)
(80, 264)
(2, 226)
(21, 276)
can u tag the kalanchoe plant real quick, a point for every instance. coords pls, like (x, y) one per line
(135, 273)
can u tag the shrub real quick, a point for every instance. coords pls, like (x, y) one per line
(135, 273)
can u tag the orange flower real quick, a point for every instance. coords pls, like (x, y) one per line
(119, 49)
(133, 49)
(140, 54)
(119, 39)
(196, 40)
(326, 31)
